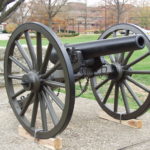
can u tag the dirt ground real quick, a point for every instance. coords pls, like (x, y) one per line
(86, 131)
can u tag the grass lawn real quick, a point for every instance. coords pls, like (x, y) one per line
(70, 40)
(81, 38)
(3, 43)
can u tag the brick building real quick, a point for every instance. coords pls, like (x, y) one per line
(80, 18)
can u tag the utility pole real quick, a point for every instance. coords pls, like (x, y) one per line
(86, 15)
(105, 14)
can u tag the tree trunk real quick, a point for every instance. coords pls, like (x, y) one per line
(49, 20)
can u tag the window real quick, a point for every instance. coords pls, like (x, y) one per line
(1, 28)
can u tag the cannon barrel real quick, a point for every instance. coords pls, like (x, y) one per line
(109, 46)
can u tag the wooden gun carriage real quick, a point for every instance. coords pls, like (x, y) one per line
(44, 96)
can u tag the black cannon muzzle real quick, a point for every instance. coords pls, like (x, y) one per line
(109, 46)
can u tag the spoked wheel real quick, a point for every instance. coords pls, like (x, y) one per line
(125, 94)
(42, 103)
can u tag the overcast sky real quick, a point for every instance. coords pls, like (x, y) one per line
(97, 2)
(90, 2)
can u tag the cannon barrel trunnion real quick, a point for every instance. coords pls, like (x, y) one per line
(42, 95)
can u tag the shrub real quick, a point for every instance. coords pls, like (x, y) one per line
(11, 27)
(67, 34)
(4, 31)
(71, 35)
(67, 31)
(98, 32)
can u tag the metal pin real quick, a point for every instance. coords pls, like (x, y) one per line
(35, 135)
(121, 118)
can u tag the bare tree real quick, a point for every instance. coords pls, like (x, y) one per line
(85, 16)
(119, 7)
(143, 14)
(23, 13)
(52, 7)
(6, 10)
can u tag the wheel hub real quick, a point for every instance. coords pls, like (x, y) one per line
(119, 72)
(31, 82)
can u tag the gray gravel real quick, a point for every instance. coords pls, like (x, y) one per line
(86, 131)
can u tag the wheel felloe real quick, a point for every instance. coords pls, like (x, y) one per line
(124, 94)
(35, 99)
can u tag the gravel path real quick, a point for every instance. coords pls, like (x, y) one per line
(86, 131)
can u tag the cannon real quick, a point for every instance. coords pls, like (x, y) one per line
(42, 95)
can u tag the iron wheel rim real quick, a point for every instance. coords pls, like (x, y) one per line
(145, 106)
(69, 80)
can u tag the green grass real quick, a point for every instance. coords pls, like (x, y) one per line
(3, 43)
(65, 40)
(81, 38)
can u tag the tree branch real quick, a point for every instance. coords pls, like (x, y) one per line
(6, 13)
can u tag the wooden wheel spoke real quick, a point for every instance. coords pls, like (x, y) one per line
(108, 92)
(127, 57)
(18, 93)
(133, 94)
(117, 56)
(138, 72)
(39, 50)
(51, 109)
(23, 53)
(112, 58)
(115, 34)
(35, 110)
(121, 58)
(137, 60)
(27, 103)
(101, 84)
(31, 49)
(13, 59)
(46, 59)
(54, 84)
(127, 32)
(15, 77)
(122, 55)
(43, 112)
(138, 84)
(55, 98)
(52, 70)
(116, 97)
(124, 97)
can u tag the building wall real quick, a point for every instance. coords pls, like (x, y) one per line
(3, 27)
(78, 17)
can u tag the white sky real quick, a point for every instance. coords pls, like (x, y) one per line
(97, 2)
(90, 2)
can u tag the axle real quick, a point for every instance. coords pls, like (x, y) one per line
(108, 46)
